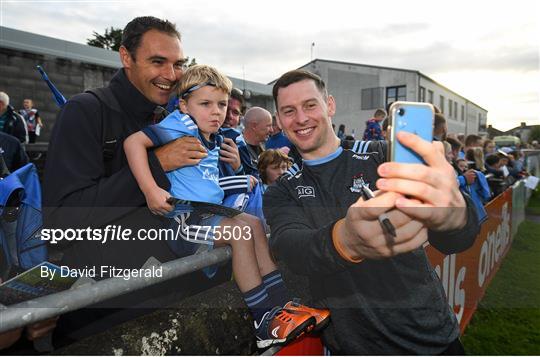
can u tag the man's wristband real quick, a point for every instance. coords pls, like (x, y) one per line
(338, 246)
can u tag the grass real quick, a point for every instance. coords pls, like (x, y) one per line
(507, 321)
(534, 203)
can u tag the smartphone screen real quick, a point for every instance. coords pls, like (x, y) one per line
(415, 118)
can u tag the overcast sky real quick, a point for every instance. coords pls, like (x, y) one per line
(485, 51)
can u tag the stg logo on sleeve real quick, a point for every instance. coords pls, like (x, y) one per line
(305, 191)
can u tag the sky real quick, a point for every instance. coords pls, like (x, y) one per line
(486, 51)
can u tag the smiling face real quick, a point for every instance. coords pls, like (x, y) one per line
(463, 166)
(156, 66)
(208, 106)
(234, 110)
(305, 117)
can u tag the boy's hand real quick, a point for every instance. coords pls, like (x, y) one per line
(156, 199)
(252, 182)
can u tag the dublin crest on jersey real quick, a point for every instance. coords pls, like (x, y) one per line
(357, 183)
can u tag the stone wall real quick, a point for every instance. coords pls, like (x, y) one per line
(20, 79)
(213, 322)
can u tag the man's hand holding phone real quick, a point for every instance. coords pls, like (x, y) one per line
(429, 193)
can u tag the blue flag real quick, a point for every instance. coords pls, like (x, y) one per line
(58, 97)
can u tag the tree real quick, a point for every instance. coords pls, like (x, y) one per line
(535, 134)
(110, 40)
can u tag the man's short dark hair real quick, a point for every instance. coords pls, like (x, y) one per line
(454, 143)
(380, 113)
(239, 96)
(136, 28)
(296, 76)
(492, 159)
(438, 121)
(472, 139)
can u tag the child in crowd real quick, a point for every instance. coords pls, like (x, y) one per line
(462, 164)
(272, 164)
(475, 156)
(204, 93)
(32, 119)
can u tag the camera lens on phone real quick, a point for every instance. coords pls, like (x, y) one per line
(401, 112)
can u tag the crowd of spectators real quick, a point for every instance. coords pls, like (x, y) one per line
(255, 145)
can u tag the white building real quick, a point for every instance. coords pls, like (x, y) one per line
(360, 89)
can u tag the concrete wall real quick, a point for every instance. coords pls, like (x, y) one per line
(20, 79)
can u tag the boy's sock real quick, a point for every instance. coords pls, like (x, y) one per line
(257, 301)
(277, 291)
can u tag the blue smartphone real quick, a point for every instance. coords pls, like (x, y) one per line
(415, 118)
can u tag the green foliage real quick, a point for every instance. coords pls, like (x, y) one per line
(110, 40)
(507, 321)
(534, 202)
(535, 134)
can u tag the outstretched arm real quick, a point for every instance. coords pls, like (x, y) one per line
(135, 147)
(431, 195)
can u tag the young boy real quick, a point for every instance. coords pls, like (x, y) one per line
(272, 164)
(204, 93)
(33, 120)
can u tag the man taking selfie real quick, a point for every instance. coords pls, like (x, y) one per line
(384, 296)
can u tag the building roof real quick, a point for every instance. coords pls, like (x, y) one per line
(34, 43)
(388, 68)
(43, 45)
(253, 87)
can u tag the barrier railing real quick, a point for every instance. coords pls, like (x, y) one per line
(93, 292)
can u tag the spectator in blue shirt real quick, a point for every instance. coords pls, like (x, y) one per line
(373, 126)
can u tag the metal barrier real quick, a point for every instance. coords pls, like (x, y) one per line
(90, 293)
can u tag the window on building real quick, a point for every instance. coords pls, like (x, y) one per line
(481, 125)
(393, 94)
(422, 94)
(462, 113)
(450, 108)
(441, 103)
(455, 110)
(430, 96)
(372, 98)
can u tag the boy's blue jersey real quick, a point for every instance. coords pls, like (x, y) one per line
(192, 183)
